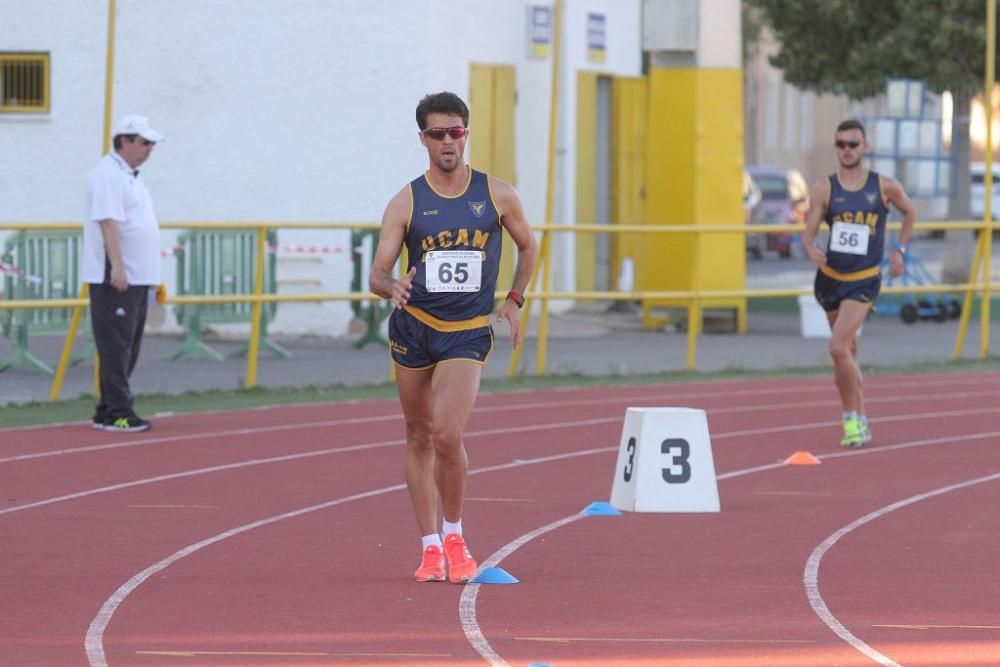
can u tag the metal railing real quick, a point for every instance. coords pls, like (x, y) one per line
(694, 298)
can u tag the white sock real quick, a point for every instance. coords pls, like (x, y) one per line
(448, 527)
(850, 415)
(428, 540)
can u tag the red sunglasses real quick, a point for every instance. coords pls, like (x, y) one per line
(438, 133)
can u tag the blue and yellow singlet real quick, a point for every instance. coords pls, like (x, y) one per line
(857, 229)
(455, 242)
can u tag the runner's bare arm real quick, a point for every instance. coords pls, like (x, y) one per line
(514, 221)
(895, 194)
(819, 195)
(390, 245)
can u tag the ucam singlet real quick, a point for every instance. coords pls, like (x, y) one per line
(857, 229)
(455, 242)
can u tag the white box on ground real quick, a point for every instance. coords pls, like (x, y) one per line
(665, 462)
(813, 318)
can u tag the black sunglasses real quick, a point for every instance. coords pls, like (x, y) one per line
(438, 133)
(847, 144)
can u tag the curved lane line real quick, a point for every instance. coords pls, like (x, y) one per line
(94, 638)
(467, 603)
(94, 642)
(811, 575)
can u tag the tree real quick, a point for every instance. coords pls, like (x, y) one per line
(852, 46)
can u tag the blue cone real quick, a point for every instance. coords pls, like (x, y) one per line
(494, 575)
(600, 509)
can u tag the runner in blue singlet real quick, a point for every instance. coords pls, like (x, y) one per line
(450, 220)
(854, 203)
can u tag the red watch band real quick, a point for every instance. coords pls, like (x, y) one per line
(516, 297)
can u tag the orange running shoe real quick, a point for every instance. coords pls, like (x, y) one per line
(431, 565)
(461, 567)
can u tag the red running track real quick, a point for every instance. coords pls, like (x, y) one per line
(283, 536)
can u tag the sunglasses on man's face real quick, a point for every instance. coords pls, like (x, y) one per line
(438, 133)
(847, 144)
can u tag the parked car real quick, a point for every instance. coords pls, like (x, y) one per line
(977, 190)
(784, 201)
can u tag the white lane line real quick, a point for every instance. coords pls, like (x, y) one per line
(282, 459)
(202, 436)
(291, 654)
(663, 640)
(507, 430)
(930, 626)
(174, 507)
(554, 404)
(811, 576)
(467, 603)
(788, 386)
(497, 500)
(94, 642)
(395, 415)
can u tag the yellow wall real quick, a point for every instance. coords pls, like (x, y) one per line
(628, 173)
(694, 174)
(586, 179)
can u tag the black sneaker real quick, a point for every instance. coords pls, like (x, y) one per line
(97, 421)
(130, 424)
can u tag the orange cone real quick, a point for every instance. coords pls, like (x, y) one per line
(802, 459)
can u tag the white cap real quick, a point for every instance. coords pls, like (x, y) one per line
(136, 124)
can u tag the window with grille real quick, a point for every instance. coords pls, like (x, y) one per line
(24, 82)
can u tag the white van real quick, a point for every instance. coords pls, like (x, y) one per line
(977, 190)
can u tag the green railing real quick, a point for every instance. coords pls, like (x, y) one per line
(38, 265)
(221, 263)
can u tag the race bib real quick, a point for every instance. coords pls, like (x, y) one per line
(453, 270)
(849, 238)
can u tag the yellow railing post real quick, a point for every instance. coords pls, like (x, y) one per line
(543, 254)
(253, 349)
(694, 309)
(963, 320)
(67, 350)
(987, 232)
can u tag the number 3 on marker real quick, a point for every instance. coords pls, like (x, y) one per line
(630, 449)
(679, 470)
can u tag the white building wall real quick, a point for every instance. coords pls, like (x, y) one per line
(44, 158)
(292, 111)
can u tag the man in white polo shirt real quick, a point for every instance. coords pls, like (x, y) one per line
(121, 263)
